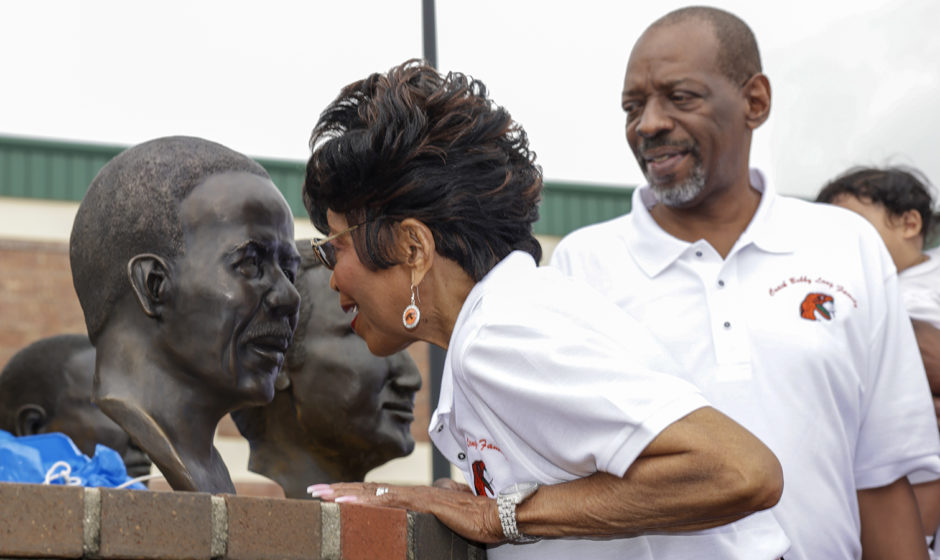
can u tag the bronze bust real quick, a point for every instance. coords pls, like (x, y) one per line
(183, 260)
(46, 387)
(338, 411)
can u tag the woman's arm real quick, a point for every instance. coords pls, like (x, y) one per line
(702, 471)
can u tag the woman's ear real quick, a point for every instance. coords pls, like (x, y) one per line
(415, 245)
(150, 279)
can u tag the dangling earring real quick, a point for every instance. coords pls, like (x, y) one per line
(412, 314)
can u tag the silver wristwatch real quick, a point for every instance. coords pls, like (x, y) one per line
(506, 503)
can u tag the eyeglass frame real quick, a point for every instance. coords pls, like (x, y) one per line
(318, 246)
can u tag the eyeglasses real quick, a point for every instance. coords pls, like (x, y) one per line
(324, 249)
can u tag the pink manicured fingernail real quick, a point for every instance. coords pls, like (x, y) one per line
(342, 499)
(317, 487)
(324, 493)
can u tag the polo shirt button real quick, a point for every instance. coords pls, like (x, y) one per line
(727, 325)
(721, 283)
(698, 253)
(440, 428)
(461, 456)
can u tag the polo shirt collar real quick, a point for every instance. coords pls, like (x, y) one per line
(654, 249)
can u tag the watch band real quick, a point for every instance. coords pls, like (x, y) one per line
(507, 517)
(506, 502)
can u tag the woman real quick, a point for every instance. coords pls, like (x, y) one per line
(338, 411)
(553, 401)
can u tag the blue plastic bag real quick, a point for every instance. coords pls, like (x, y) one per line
(53, 459)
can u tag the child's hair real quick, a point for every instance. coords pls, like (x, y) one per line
(898, 189)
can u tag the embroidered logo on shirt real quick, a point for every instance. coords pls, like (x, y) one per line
(817, 306)
(481, 485)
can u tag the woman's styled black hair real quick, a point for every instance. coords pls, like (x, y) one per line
(411, 143)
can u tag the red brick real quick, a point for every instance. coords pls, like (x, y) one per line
(272, 529)
(369, 532)
(37, 520)
(258, 489)
(252, 488)
(158, 525)
(37, 298)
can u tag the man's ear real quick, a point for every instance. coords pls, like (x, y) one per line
(30, 420)
(756, 91)
(150, 279)
(415, 246)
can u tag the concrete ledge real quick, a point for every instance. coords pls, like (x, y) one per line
(53, 522)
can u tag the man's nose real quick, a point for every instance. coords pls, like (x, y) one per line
(282, 297)
(404, 373)
(654, 119)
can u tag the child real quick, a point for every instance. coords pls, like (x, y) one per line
(898, 203)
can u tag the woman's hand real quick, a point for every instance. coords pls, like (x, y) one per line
(472, 517)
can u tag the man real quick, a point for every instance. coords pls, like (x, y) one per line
(338, 411)
(46, 387)
(183, 259)
(785, 313)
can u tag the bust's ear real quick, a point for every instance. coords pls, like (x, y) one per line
(30, 420)
(150, 279)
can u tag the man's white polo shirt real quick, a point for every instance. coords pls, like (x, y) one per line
(545, 380)
(799, 335)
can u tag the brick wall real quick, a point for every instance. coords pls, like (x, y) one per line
(72, 522)
(36, 294)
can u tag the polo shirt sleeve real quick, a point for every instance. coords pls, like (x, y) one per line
(585, 393)
(898, 435)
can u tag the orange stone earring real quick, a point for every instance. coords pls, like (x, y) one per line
(412, 314)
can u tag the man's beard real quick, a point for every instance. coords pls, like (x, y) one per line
(681, 194)
(678, 194)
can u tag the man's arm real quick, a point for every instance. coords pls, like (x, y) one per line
(702, 471)
(891, 526)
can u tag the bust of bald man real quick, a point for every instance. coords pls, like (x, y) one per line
(183, 260)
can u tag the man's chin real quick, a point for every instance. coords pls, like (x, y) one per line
(258, 389)
(677, 195)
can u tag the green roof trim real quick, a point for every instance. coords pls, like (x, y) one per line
(61, 170)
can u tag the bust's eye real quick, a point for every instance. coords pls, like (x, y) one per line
(249, 266)
(290, 272)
